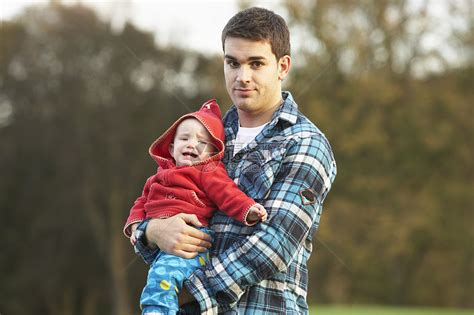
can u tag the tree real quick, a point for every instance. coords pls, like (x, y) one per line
(79, 106)
(395, 225)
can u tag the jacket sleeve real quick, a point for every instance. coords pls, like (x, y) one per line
(137, 213)
(294, 205)
(227, 196)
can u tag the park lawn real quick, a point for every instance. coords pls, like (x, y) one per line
(383, 310)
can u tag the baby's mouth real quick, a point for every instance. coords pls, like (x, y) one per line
(192, 155)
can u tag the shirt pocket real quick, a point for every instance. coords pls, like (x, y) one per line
(258, 170)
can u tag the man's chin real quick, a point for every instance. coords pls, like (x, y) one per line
(244, 103)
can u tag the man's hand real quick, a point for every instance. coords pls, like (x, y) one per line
(176, 236)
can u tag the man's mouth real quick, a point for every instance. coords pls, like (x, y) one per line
(243, 92)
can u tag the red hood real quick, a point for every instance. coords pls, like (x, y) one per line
(210, 116)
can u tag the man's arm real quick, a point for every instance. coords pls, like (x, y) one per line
(177, 236)
(294, 205)
(173, 235)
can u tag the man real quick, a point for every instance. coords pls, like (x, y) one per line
(277, 157)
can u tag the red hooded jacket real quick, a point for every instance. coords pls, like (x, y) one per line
(198, 189)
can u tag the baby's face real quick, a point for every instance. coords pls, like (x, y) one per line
(192, 143)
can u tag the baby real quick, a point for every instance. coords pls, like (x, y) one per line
(190, 179)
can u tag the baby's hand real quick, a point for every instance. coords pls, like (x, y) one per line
(256, 212)
(133, 238)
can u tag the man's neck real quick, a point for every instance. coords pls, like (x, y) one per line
(251, 120)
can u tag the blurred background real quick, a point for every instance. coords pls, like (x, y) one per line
(85, 87)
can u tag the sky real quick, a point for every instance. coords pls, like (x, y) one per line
(195, 24)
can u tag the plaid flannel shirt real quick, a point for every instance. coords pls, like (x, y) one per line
(288, 168)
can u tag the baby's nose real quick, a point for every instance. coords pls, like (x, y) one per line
(192, 143)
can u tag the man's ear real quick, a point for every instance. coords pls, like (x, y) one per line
(284, 65)
(170, 148)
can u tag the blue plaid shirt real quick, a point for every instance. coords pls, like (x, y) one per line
(288, 168)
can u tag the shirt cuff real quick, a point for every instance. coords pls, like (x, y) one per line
(141, 246)
(196, 286)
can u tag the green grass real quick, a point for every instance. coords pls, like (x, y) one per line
(383, 310)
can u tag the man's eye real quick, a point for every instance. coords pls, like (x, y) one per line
(257, 64)
(233, 64)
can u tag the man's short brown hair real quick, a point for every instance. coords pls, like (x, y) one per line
(260, 24)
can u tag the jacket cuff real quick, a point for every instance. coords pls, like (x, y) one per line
(127, 228)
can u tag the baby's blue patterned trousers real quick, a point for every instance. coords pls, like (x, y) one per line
(165, 280)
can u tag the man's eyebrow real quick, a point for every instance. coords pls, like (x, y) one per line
(252, 58)
(229, 57)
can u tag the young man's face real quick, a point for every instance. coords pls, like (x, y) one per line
(253, 75)
(192, 143)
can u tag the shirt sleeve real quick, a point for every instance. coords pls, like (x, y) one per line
(294, 205)
(141, 246)
(226, 195)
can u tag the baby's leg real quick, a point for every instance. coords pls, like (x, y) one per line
(165, 280)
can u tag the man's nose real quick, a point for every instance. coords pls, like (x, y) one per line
(243, 74)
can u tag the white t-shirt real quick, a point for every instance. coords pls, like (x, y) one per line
(245, 136)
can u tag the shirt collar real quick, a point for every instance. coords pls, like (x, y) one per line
(288, 111)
